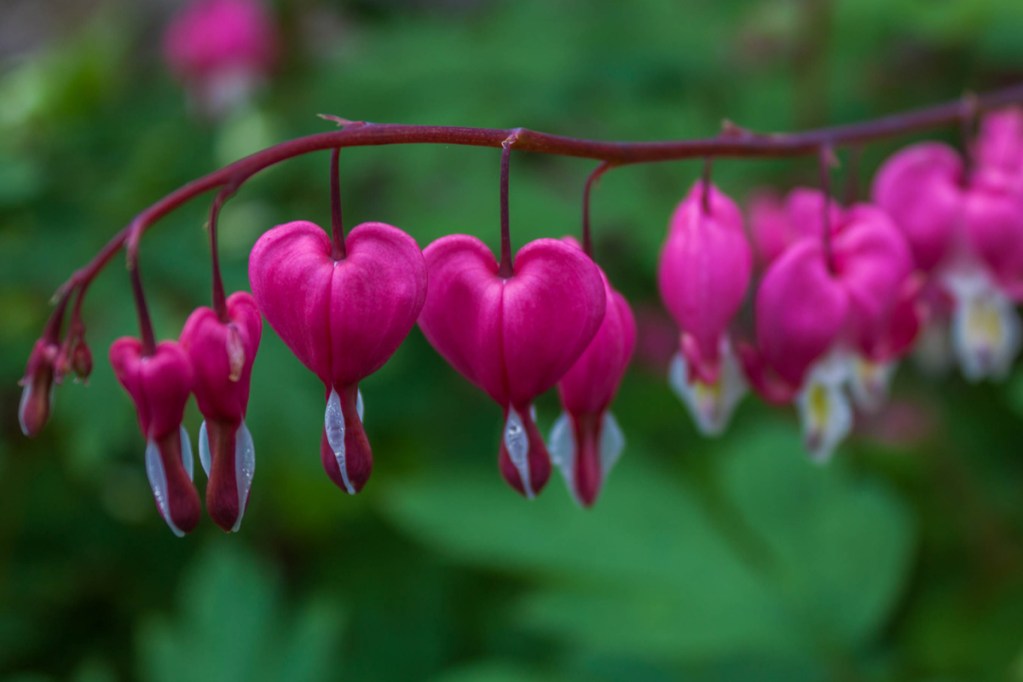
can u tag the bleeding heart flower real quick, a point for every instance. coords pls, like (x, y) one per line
(586, 440)
(160, 384)
(513, 337)
(222, 353)
(812, 323)
(37, 387)
(998, 150)
(703, 275)
(967, 234)
(342, 318)
(221, 49)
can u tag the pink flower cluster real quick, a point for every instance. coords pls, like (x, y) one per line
(839, 295)
(842, 293)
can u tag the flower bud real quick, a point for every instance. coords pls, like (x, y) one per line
(159, 384)
(222, 354)
(37, 387)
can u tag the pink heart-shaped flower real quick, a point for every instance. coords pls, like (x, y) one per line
(513, 337)
(703, 275)
(342, 318)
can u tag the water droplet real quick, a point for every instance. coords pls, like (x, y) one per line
(204, 449)
(158, 482)
(334, 426)
(516, 441)
(244, 469)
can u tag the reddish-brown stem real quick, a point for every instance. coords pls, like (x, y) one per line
(738, 144)
(507, 268)
(337, 226)
(587, 190)
(145, 324)
(825, 158)
(219, 298)
(708, 166)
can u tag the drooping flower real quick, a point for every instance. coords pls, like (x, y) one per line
(160, 384)
(703, 276)
(966, 232)
(586, 441)
(37, 387)
(221, 50)
(816, 320)
(342, 318)
(513, 337)
(776, 223)
(222, 354)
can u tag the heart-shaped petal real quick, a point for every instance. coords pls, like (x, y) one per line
(920, 187)
(344, 318)
(703, 274)
(515, 337)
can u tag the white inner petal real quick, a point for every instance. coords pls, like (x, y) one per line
(334, 424)
(204, 449)
(710, 405)
(158, 482)
(360, 408)
(26, 394)
(516, 441)
(869, 382)
(561, 446)
(244, 469)
(824, 408)
(985, 326)
(186, 453)
(612, 443)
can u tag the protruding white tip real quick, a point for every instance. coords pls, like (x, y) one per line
(244, 469)
(158, 482)
(516, 441)
(334, 424)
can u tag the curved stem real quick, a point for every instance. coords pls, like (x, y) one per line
(145, 323)
(738, 143)
(587, 190)
(337, 226)
(219, 299)
(506, 268)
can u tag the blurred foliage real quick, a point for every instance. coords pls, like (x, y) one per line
(704, 560)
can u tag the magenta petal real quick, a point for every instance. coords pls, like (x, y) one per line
(872, 262)
(343, 319)
(800, 311)
(516, 337)
(994, 227)
(704, 272)
(159, 385)
(222, 355)
(921, 189)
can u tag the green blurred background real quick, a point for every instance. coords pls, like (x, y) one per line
(711, 561)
